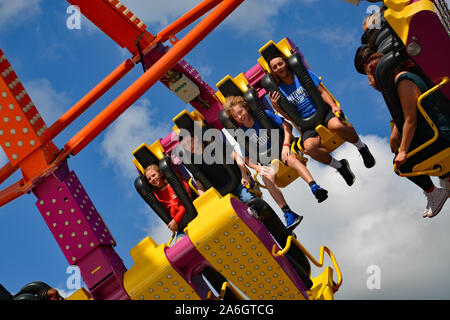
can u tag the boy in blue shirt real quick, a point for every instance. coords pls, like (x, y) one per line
(290, 86)
(236, 108)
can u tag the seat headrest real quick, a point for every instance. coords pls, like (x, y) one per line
(229, 88)
(226, 122)
(270, 51)
(144, 157)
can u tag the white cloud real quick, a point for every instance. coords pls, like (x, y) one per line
(65, 293)
(50, 103)
(377, 221)
(256, 16)
(205, 70)
(157, 13)
(158, 230)
(132, 128)
(334, 36)
(17, 11)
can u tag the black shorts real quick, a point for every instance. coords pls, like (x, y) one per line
(313, 133)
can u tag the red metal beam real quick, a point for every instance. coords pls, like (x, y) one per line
(114, 19)
(150, 77)
(88, 100)
(12, 192)
(186, 20)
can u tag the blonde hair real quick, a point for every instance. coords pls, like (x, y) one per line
(152, 167)
(157, 169)
(231, 102)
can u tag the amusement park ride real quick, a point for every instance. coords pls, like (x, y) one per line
(240, 250)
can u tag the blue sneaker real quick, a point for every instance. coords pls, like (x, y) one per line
(292, 220)
(320, 193)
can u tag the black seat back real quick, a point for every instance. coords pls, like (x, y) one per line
(229, 88)
(386, 69)
(184, 121)
(297, 66)
(145, 158)
(4, 294)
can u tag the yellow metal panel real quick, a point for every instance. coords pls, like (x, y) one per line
(241, 82)
(322, 288)
(329, 139)
(176, 129)
(194, 115)
(141, 146)
(197, 116)
(442, 159)
(396, 5)
(220, 97)
(284, 47)
(152, 277)
(263, 63)
(285, 174)
(80, 294)
(138, 165)
(219, 94)
(157, 149)
(399, 14)
(235, 251)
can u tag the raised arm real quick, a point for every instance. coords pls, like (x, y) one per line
(241, 164)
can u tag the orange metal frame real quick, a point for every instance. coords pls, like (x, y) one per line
(124, 28)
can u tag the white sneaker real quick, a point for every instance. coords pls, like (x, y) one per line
(445, 183)
(427, 209)
(436, 200)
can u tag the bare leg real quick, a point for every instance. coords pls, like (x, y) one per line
(301, 169)
(345, 131)
(274, 190)
(315, 149)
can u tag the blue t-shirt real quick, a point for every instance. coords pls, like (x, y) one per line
(258, 135)
(298, 96)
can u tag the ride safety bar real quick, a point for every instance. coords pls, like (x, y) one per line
(435, 171)
(319, 263)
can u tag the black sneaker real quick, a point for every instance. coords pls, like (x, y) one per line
(320, 193)
(369, 160)
(346, 173)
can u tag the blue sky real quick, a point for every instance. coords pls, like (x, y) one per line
(376, 222)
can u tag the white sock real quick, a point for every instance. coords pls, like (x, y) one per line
(335, 163)
(359, 144)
